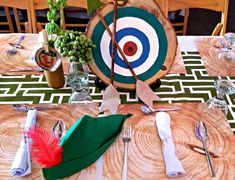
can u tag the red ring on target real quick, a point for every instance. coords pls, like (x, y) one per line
(130, 48)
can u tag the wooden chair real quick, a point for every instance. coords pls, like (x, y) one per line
(42, 5)
(180, 24)
(7, 23)
(215, 5)
(19, 23)
(19, 4)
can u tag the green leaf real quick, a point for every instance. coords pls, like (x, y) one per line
(49, 16)
(49, 28)
(92, 5)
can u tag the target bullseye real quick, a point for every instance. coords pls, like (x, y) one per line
(130, 48)
(139, 50)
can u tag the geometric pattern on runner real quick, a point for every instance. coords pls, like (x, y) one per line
(195, 86)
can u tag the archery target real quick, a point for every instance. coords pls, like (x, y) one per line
(142, 39)
(135, 44)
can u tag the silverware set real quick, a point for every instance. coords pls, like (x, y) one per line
(126, 137)
(201, 134)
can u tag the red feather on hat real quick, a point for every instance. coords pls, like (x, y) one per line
(45, 147)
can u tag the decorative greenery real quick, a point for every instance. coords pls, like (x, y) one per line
(54, 6)
(76, 46)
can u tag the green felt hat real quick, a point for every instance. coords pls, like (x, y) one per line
(84, 143)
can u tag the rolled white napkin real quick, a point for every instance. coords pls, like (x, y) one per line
(22, 163)
(172, 163)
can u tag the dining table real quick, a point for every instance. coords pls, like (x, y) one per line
(188, 85)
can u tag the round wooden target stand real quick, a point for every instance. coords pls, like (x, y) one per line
(144, 35)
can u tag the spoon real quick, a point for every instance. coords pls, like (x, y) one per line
(147, 110)
(59, 129)
(24, 108)
(202, 135)
(37, 69)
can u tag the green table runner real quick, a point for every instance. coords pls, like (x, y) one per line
(195, 86)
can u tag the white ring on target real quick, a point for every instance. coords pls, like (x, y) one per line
(135, 40)
(141, 25)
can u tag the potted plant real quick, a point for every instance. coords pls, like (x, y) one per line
(74, 45)
(47, 57)
(78, 48)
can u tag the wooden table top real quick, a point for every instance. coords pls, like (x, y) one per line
(145, 151)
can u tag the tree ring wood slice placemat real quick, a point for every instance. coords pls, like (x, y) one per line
(209, 49)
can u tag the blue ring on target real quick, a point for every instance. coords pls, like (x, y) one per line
(142, 38)
(137, 13)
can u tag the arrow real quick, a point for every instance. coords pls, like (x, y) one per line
(111, 98)
(143, 91)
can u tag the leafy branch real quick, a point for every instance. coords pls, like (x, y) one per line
(54, 6)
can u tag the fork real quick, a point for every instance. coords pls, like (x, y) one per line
(126, 137)
(16, 45)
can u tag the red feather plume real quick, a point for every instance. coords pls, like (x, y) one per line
(45, 147)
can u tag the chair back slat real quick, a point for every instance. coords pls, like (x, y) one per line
(6, 23)
(19, 4)
(215, 5)
(42, 5)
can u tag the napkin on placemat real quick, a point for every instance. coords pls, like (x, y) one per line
(22, 164)
(172, 163)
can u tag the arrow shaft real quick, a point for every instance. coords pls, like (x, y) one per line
(113, 39)
(117, 45)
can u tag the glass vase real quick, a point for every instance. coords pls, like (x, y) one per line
(79, 81)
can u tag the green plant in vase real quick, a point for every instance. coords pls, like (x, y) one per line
(78, 48)
(52, 27)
